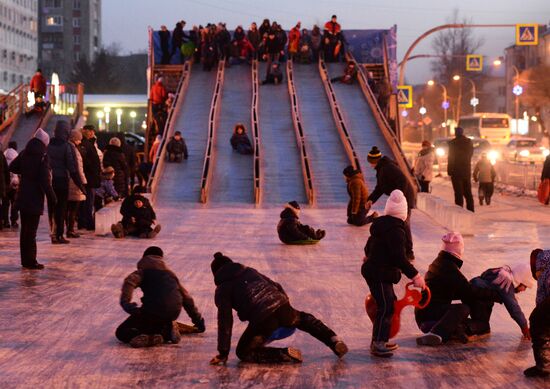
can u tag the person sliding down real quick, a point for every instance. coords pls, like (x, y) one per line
(176, 148)
(291, 231)
(163, 296)
(240, 142)
(385, 260)
(137, 217)
(350, 74)
(265, 305)
(358, 193)
(275, 75)
(507, 281)
(441, 320)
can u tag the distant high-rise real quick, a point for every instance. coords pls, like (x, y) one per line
(69, 30)
(18, 41)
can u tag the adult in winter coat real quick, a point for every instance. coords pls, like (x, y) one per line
(64, 169)
(38, 84)
(36, 181)
(424, 166)
(441, 320)
(177, 41)
(159, 95)
(294, 40)
(114, 157)
(10, 213)
(385, 260)
(163, 297)
(358, 194)
(485, 174)
(254, 36)
(265, 305)
(459, 168)
(176, 148)
(316, 42)
(507, 281)
(305, 47)
(223, 41)
(275, 75)
(131, 158)
(540, 317)
(4, 184)
(332, 27)
(240, 142)
(76, 194)
(92, 171)
(138, 217)
(291, 231)
(164, 36)
(350, 74)
(388, 178)
(265, 27)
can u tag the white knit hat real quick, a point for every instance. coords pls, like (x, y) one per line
(522, 275)
(396, 205)
(453, 243)
(42, 136)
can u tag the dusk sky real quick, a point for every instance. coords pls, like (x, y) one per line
(125, 21)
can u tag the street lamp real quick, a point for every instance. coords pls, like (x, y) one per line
(118, 118)
(445, 104)
(456, 77)
(100, 115)
(107, 111)
(133, 116)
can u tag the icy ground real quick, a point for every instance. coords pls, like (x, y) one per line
(57, 325)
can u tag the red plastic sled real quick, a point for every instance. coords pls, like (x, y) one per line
(412, 297)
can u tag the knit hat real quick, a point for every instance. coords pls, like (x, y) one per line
(349, 171)
(89, 127)
(177, 133)
(396, 205)
(459, 131)
(153, 250)
(294, 206)
(453, 243)
(374, 154)
(522, 275)
(75, 136)
(426, 143)
(139, 189)
(219, 261)
(115, 142)
(42, 136)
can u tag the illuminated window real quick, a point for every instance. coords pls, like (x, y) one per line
(55, 20)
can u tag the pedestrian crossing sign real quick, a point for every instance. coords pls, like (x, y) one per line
(405, 96)
(527, 34)
(474, 63)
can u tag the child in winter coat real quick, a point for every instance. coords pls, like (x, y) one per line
(540, 317)
(176, 148)
(275, 75)
(138, 217)
(265, 305)
(423, 166)
(385, 260)
(507, 281)
(485, 174)
(240, 142)
(291, 231)
(106, 193)
(358, 193)
(350, 74)
(163, 297)
(441, 320)
(10, 212)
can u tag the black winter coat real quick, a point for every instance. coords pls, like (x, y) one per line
(91, 162)
(447, 283)
(177, 147)
(164, 40)
(144, 216)
(62, 161)
(459, 164)
(238, 139)
(4, 174)
(386, 251)
(36, 178)
(115, 157)
(390, 177)
(290, 228)
(546, 169)
(253, 295)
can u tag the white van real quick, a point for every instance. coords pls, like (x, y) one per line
(494, 127)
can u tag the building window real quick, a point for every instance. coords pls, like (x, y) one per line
(54, 20)
(76, 39)
(77, 56)
(76, 4)
(5, 77)
(96, 41)
(501, 90)
(76, 22)
(53, 3)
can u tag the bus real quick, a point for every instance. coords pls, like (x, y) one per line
(494, 127)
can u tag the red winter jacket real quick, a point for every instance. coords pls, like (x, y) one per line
(38, 84)
(333, 28)
(158, 93)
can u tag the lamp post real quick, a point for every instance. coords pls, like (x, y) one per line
(107, 111)
(517, 89)
(422, 111)
(118, 118)
(133, 116)
(445, 104)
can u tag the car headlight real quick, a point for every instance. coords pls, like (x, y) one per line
(546, 152)
(493, 155)
(440, 152)
(524, 153)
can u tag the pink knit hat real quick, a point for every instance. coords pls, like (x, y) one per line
(453, 243)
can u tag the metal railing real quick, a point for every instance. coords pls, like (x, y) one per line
(256, 132)
(169, 129)
(209, 156)
(524, 175)
(338, 117)
(299, 132)
(11, 106)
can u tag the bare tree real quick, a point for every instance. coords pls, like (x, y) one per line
(537, 92)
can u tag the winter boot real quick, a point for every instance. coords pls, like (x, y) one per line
(146, 340)
(338, 347)
(430, 339)
(187, 329)
(379, 349)
(154, 232)
(534, 371)
(117, 230)
(175, 334)
(292, 355)
(73, 234)
(60, 240)
(320, 234)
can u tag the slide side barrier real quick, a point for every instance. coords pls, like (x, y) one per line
(256, 132)
(450, 216)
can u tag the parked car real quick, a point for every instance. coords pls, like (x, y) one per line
(134, 139)
(525, 149)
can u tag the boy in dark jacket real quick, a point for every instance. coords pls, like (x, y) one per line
(265, 305)
(358, 193)
(385, 260)
(350, 74)
(176, 148)
(485, 174)
(291, 231)
(137, 217)
(540, 317)
(240, 142)
(459, 168)
(163, 296)
(274, 76)
(441, 320)
(507, 281)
